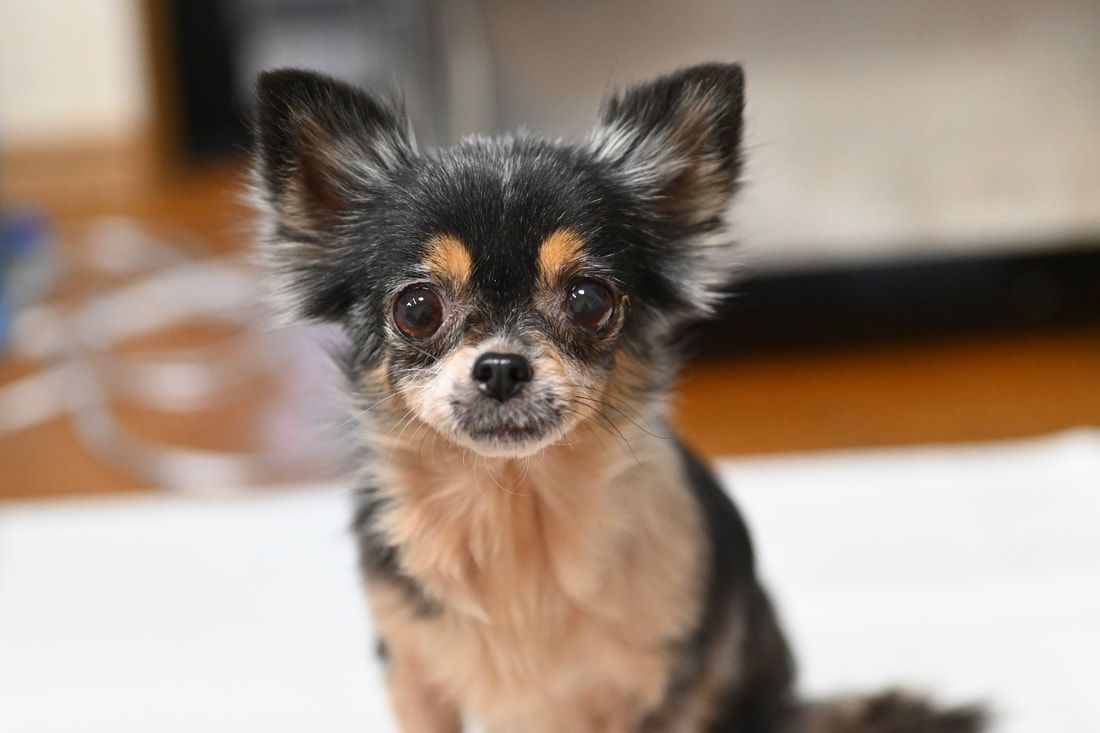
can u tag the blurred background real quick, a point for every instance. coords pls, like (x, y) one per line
(920, 225)
(904, 389)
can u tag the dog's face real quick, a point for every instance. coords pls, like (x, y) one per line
(501, 291)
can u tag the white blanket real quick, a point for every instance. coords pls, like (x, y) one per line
(968, 571)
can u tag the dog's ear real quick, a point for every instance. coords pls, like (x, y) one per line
(676, 141)
(679, 138)
(320, 143)
(322, 149)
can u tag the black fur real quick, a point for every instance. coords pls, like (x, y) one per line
(370, 216)
(690, 123)
(765, 697)
(889, 712)
(378, 559)
(763, 701)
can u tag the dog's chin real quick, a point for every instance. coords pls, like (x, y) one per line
(506, 439)
(506, 442)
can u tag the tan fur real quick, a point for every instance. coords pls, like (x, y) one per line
(582, 553)
(560, 254)
(563, 581)
(449, 259)
(314, 197)
(417, 705)
(628, 377)
(299, 215)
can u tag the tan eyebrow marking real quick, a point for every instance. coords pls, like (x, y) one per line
(559, 253)
(449, 259)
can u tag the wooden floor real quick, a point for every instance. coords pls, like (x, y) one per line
(976, 389)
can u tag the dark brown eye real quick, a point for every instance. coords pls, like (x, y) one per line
(589, 305)
(418, 312)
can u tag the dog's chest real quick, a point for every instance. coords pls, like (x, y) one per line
(561, 590)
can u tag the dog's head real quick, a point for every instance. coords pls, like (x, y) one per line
(503, 290)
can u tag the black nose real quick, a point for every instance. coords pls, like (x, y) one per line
(501, 376)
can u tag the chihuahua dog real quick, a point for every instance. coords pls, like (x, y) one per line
(541, 554)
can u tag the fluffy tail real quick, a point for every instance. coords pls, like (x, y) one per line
(889, 712)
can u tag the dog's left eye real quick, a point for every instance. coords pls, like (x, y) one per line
(590, 305)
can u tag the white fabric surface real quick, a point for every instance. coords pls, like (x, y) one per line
(970, 571)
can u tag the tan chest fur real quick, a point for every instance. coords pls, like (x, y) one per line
(564, 582)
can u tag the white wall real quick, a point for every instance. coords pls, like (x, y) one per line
(71, 71)
(876, 128)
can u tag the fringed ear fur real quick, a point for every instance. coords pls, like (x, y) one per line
(322, 147)
(676, 141)
(325, 149)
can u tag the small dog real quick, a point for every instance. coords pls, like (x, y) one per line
(540, 553)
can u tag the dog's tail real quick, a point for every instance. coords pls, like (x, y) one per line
(893, 711)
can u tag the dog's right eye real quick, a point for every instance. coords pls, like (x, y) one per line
(418, 312)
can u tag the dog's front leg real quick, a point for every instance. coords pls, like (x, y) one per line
(418, 705)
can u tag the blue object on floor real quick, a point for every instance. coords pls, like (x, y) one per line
(23, 237)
